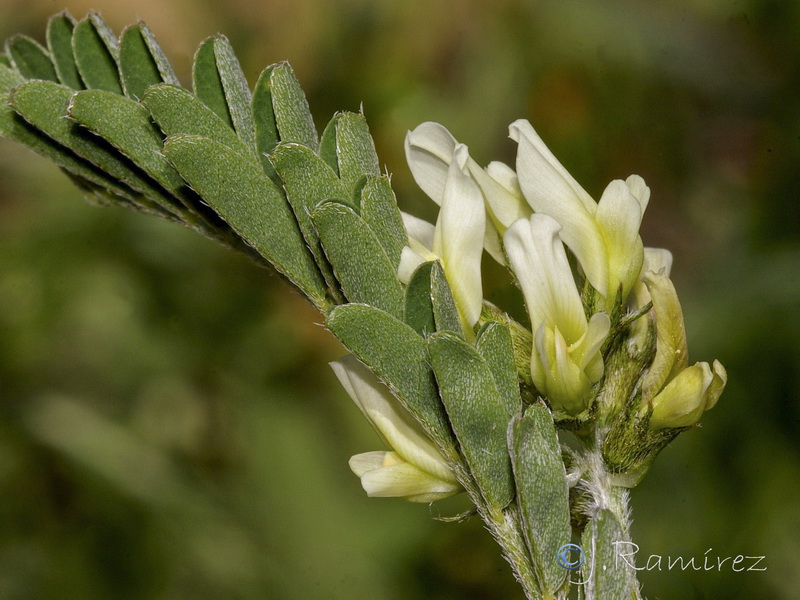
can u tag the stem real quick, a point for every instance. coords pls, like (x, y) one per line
(602, 494)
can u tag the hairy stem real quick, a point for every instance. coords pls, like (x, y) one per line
(603, 497)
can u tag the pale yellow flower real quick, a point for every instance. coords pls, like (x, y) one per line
(604, 235)
(413, 469)
(456, 240)
(565, 358)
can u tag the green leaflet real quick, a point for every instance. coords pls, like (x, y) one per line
(347, 147)
(292, 115)
(44, 104)
(95, 51)
(476, 412)
(126, 125)
(266, 129)
(445, 312)
(607, 573)
(307, 179)
(220, 84)
(106, 34)
(379, 210)
(327, 144)
(59, 42)
(494, 343)
(396, 354)
(9, 79)
(162, 63)
(32, 61)
(4, 61)
(419, 306)
(177, 111)
(542, 493)
(237, 92)
(429, 302)
(355, 150)
(358, 260)
(236, 187)
(207, 82)
(521, 340)
(308, 182)
(142, 62)
(16, 128)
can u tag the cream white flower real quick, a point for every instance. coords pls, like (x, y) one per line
(604, 235)
(457, 238)
(414, 469)
(679, 394)
(429, 152)
(565, 358)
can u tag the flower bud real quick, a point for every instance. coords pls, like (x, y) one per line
(684, 399)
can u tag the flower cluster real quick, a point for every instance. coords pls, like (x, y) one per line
(531, 219)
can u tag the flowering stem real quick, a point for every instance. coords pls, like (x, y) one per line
(607, 534)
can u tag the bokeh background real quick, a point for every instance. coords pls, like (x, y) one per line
(169, 428)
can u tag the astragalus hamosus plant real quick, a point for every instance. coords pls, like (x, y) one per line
(545, 425)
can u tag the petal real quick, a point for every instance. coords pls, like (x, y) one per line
(587, 353)
(656, 260)
(671, 352)
(543, 179)
(394, 424)
(400, 479)
(418, 229)
(366, 461)
(409, 261)
(493, 243)
(540, 264)
(505, 176)
(459, 235)
(504, 205)
(717, 385)
(619, 216)
(429, 149)
(639, 189)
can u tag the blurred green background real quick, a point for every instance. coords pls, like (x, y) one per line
(170, 428)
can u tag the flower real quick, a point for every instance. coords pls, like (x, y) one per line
(565, 358)
(429, 152)
(456, 240)
(678, 394)
(414, 469)
(604, 235)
